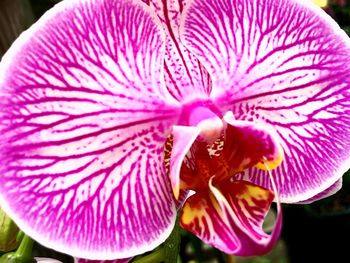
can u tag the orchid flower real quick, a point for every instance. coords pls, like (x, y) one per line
(112, 110)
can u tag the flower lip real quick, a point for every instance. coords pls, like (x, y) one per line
(224, 211)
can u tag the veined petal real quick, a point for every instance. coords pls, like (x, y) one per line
(84, 119)
(182, 195)
(283, 62)
(326, 193)
(186, 78)
(183, 138)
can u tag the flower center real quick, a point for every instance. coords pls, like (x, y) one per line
(207, 146)
(205, 162)
(226, 152)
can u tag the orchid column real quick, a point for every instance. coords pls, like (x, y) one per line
(111, 110)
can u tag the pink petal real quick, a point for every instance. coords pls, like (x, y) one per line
(284, 63)
(326, 193)
(84, 118)
(186, 79)
(183, 137)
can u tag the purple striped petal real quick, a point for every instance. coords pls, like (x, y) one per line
(326, 193)
(84, 119)
(186, 79)
(284, 63)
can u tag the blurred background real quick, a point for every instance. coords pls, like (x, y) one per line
(318, 232)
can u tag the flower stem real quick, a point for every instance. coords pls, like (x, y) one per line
(25, 248)
(172, 244)
(22, 255)
(154, 257)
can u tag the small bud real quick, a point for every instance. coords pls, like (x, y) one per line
(8, 233)
(23, 254)
(12, 257)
